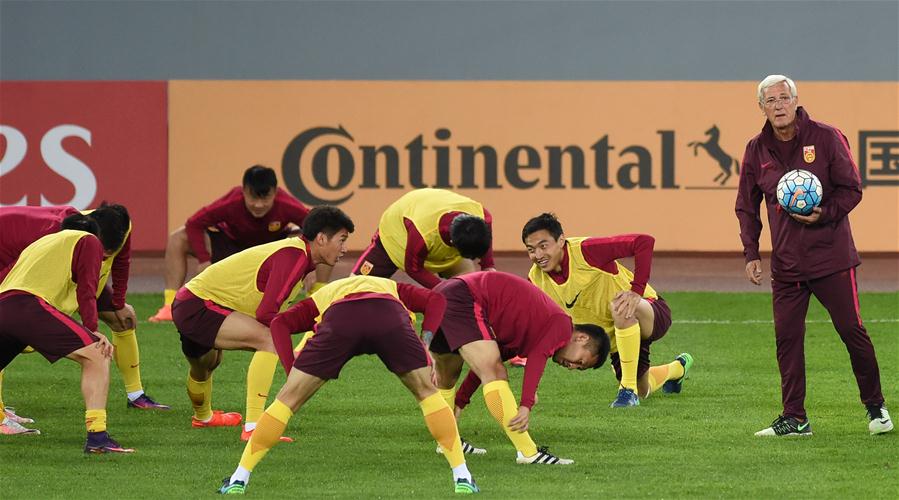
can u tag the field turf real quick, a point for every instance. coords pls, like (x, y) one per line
(363, 435)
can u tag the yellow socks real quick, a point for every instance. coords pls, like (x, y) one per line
(259, 381)
(267, 434)
(95, 420)
(658, 375)
(200, 397)
(127, 359)
(502, 405)
(628, 341)
(442, 425)
(169, 296)
(449, 395)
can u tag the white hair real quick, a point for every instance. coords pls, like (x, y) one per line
(772, 80)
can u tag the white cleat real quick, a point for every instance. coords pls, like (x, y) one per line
(543, 456)
(880, 420)
(467, 448)
(11, 414)
(9, 428)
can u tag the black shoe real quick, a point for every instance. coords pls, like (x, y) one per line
(787, 426)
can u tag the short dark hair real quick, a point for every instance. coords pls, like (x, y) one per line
(599, 344)
(80, 222)
(545, 221)
(470, 235)
(260, 180)
(114, 222)
(326, 219)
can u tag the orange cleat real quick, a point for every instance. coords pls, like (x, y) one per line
(245, 436)
(518, 361)
(219, 419)
(163, 314)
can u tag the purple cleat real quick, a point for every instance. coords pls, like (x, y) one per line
(144, 402)
(100, 442)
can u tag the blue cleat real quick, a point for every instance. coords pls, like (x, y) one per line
(675, 386)
(626, 398)
(235, 488)
(100, 442)
(145, 402)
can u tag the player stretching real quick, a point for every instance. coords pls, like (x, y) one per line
(24, 225)
(492, 316)
(354, 316)
(582, 276)
(230, 305)
(252, 214)
(52, 278)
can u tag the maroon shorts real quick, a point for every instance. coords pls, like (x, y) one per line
(374, 261)
(464, 321)
(222, 246)
(27, 319)
(198, 321)
(365, 326)
(660, 326)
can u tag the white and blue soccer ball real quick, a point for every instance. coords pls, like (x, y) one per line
(799, 191)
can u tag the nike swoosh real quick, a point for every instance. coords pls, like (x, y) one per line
(766, 164)
(569, 306)
(135, 366)
(884, 421)
(262, 395)
(802, 426)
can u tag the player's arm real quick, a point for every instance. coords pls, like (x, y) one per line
(294, 212)
(299, 318)
(749, 199)
(277, 277)
(487, 262)
(121, 266)
(86, 260)
(845, 179)
(602, 252)
(416, 255)
(469, 385)
(422, 300)
(209, 215)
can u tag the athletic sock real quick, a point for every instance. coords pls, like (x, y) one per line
(127, 359)
(259, 382)
(628, 342)
(169, 296)
(200, 394)
(502, 405)
(442, 425)
(449, 395)
(267, 434)
(95, 420)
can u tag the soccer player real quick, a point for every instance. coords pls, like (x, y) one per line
(255, 213)
(25, 225)
(354, 316)
(582, 276)
(52, 278)
(10, 423)
(492, 316)
(429, 234)
(813, 254)
(230, 305)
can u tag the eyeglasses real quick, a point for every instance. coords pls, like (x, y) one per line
(773, 101)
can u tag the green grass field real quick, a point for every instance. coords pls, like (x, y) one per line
(363, 435)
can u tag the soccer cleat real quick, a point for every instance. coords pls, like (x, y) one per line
(235, 488)
(543, 456)
(626, 398)
(675, 386)
(11, 414)
(100, 442)
(786, 426)
(144, 402)
(879, 420)
(163, 314)
(245, 436)
(466, 486)
(467, 448)
(219, 419)
(10, 427)
(518, 361)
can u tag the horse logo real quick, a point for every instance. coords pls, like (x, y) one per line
(727, 163)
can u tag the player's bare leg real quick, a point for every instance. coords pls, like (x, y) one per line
(94, 361)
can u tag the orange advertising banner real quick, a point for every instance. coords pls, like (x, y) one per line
(607, 157)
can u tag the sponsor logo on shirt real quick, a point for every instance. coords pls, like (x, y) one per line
(366, 268)
(808, 153)
(570, 305)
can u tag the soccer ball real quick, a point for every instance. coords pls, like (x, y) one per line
(799, 191)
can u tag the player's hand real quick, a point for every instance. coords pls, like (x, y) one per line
(457, 412)
(202, 265)
(810, 218)
(105, 346)
(754, 271)
(520, 422)
(125, 318)
(625, 303)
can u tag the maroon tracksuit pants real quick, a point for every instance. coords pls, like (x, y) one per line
(838, 293)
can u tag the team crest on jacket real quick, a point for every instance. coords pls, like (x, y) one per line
(808, 153)
(276, 225)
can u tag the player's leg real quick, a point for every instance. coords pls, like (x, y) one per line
(627, 339)
(374, 261)
(838, 293)
(177, 249)
(10, 423)
(790, 303)
(654, 318)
